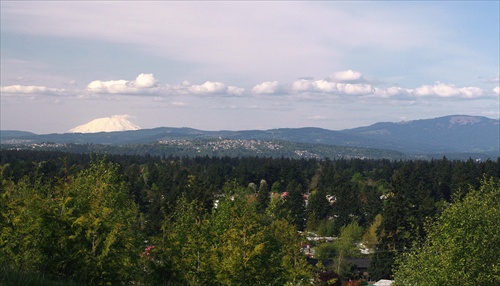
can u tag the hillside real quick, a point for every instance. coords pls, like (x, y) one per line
(457, 135)
(14, 134)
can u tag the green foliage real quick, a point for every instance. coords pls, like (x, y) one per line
(408, 204)
(179, 254)
(294, 203)
(343, 247)
(19, 225)
(235, 244)
(291, 262)
(347, 246)
(83, 228)
(318, 208)
(326, 228)
(326, 251)
(276, 208)
(462, 246)
(240, 249)
(153, 221)
(100, 228)
(349, 236)
(15, 277)
(370, 238)
(263, 195)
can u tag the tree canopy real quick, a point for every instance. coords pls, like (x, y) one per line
(462, 246)
(147, 220)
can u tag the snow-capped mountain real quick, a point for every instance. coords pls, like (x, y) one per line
(106, 124)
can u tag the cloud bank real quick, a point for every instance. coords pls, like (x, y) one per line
(339, 84)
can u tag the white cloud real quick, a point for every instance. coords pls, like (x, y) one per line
(305, 85)
(341, 83)
(438, 90)
(237, 91)
(306, 88)
(302, 85)
(144, 83)
(471, 92)
(355, 89)
(395, 91)
(346, 76)
(325, 86)
(267, 87)
(447, 90)
(338, 84)
(31, 89)
(111, 86)
(208, 87)
(211, 88)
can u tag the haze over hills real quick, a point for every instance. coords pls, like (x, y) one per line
(444, 135)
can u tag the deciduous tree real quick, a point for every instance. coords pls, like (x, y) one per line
(462, 246)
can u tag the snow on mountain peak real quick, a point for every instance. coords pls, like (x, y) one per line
(106, 124)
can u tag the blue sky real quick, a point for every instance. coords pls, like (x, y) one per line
(246, 65)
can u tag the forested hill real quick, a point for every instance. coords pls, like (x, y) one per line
(457, 136)
(457, 133)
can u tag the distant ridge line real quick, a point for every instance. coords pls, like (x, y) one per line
(447, 134)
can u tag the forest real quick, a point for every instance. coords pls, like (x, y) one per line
(103, 219)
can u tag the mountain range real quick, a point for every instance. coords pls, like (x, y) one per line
(461, 134)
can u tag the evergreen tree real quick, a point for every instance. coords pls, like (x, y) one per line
(294, 204)
(397, 229)
(263, 195)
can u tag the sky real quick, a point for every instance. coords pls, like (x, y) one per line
(240, 65)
